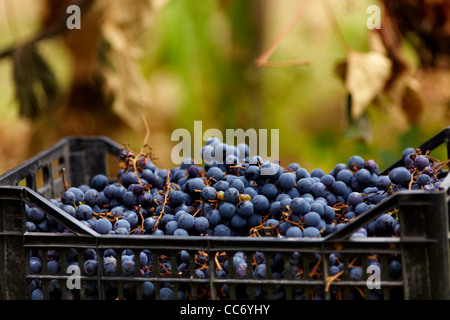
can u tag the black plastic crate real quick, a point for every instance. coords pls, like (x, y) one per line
(295, 268)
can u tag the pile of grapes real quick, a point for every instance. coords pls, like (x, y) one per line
(241, 196)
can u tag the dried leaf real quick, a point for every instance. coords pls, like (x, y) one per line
(412, 103)
(122, 26)
(366, 76)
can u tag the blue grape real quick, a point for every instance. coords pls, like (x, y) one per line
(240, 270)
(328, 180)
(128, 265)
(99, 182)
(371, 166)
(333, 270)
(186, 221)
(345, 176)
(149, 223)
(118, 192)
(400, 176)
(130, 199)
(221, 185)
(318, 207)
(302, 173)
(208, 194)
(286, 181)
(318, 189)
(166, 294)
(194, 185)
(383, 182)
(30, 226)
(35, 215)
(363, 177)
(148, 289)
(170, 227)
(312, 219)
(37, 294)
(407, 152)
(260, 271)
(181, 232)
(294, 232)
(53, 267)
(237, 184)
(35, 265)
(260, 203)
(300, 206)
(254, 220)
(271, 226)
(69, 209)
(244, 209)
(339, 188)
(318, 173)
(221, 230)
(355, 198)
(68, 198)
(176, 198)
(311, 232)
(395, 269)
(384, 224)
(120, 231)
(129, 178)
(103, 226)
(304, 185)
(214, 217)
(252, 172)
(165, 219)
(355, 163)
(122, 223)
(361, 208)
(136, 188)
(423, 179)
(131, 217)
(231, 195)
(91, 197)
(214, 173)
(356, 274)
(329, 214)
(90, 267)
(201, 224)
(421, 162)
(238, 222)
(110, 266)
(269, 190)
(83, 212)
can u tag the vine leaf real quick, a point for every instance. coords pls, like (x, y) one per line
(365, 77)
(412, 102)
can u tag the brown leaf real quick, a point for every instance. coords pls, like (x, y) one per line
(366, 76)
(412, 103)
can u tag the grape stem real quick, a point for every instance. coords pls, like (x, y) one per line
(63, 176)
(314, 271)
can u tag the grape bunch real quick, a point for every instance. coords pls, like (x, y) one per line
(241, 196)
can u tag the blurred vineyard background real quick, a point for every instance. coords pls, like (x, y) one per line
(180, 61)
